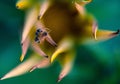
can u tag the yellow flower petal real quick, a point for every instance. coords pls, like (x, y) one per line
(25, 4)
(83, 2)
(106, 34)
(103, 34)
(25, 46)
(22, 57)
(23, 68)
(94, 29)
(94, 34)
(43, 8)
(66, 61)
(30, 21)
(22, 4)
(64, 46)
(42, 64)
(80, 9)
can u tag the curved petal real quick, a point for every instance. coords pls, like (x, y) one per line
(106, 34)
(30, 21)
(83, 2)
(42, 64)
(80, 9)
(103, 34)
(23, 4)
(64, 46)
(65, 54)
(67, 62)
(25, 46)
(94, 29)
(43, 8)
(24, 67)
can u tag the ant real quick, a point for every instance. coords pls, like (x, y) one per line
(40, 34)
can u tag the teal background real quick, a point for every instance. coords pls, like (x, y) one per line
(95, 63)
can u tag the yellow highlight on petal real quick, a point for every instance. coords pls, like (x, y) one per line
(54, 55)
(61, 49)
(64, 46)
(22, 4)
(83, 2)
(21, 57)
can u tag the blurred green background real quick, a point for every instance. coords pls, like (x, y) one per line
(95, 64)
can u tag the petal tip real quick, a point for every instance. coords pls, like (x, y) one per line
(117, 32)
(51, 60)
(21, 57)
(3, 78)
(59, 79)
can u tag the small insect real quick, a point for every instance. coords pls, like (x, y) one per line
(40, 35)
(37, 40)
(38, 31)
(44, 34)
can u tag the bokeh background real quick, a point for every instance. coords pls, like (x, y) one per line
(95, 63)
